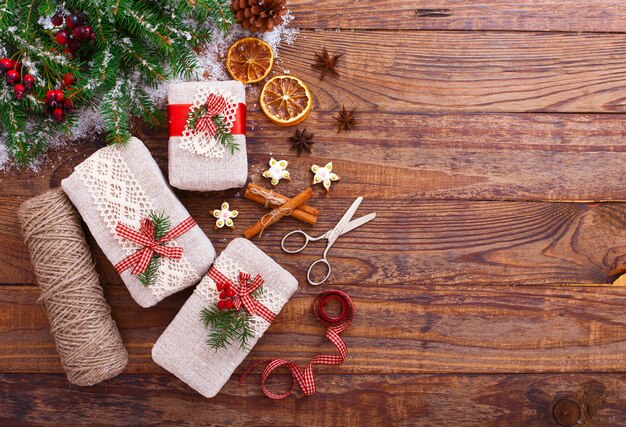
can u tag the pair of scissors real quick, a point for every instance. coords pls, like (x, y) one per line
(344, 225)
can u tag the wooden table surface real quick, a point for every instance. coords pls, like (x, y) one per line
(491, 145)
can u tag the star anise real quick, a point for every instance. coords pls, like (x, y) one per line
(346, 119)
(302, 141)
(325, 63)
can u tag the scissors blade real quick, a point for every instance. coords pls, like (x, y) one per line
(358, 222)
(345, 219)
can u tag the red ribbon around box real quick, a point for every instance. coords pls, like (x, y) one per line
(179, 113)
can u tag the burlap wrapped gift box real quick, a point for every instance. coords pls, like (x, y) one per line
(206, 166)
(183, 350)
(123, 184)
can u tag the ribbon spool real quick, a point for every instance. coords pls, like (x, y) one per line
(347, 307)
(304, 377)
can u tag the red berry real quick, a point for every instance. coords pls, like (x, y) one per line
(59, 95)
(223, 295)
(79, 32)
(51, 96)
(219, 286)
(221, 305)
(58, 114)
(19, 90)
(88, 32)
(230, 293)
(57, 20)
(28, 81)
(12, 77)
(62, 37)
(69, 53)
(5, 65)
(227, 285)
(73, 21)
(229, 303)
(17, 66)
(68, 79)
(69, 107)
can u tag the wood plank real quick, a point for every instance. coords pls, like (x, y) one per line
(412, 72)
(397, 329)
(522, 15)
(435, 156)
(411, 241)
(350, 400)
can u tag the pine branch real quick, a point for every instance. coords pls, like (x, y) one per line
(162, 226)
(227, 327)
(223, 135)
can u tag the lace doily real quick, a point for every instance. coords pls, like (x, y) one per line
(118, 197)
(229, 268)
(198, 142)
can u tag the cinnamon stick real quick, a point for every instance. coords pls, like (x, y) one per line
(276, 214)
(278, 199)
(297, 213)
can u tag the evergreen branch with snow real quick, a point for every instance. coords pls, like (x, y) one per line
(109, 49)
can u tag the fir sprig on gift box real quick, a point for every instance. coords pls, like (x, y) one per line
(162, 226)
(110, 50)
(227, 324)
(222, 134)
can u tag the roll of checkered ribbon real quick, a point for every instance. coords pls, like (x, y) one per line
(336, 325)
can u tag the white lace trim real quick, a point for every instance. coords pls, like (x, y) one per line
(229, 268)
(199, 142)
(118, 197)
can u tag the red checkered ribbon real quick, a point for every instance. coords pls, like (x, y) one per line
(145, 237)
(215, 105)
(304, 377)
(243, 293)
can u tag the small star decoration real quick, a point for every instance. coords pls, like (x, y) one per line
(324, 175)
(346, 119)
(302, 141)
(225, 216)
(326, 64)
(277, 171)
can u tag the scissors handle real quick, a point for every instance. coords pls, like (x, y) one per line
(326, 276)
(307, 239)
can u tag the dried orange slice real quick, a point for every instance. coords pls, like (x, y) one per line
(249, 60)
(286, 100)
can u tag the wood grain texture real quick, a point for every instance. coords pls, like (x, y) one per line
(411, 241)
(416, 72)
(397, 329)
(352, 400)
(435, 156)
(519, 15)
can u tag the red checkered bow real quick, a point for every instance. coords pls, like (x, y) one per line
(215, 104)
(243, 293)
(304, 377)
(145, 237)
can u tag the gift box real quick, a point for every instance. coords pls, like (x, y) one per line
(138, 222)
(187, 347)
(207, 142)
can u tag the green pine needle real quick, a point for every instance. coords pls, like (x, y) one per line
(227, 327)
(162, 225)
(153, 39)
(223, 135)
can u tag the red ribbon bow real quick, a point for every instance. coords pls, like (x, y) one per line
(243, 293)
(304, 377)
(145, 237)
(215, 104)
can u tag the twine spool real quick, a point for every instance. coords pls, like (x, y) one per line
(86, 336)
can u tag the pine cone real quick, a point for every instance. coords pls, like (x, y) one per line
(259, 15)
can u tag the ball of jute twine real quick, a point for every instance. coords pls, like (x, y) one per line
(86, 336)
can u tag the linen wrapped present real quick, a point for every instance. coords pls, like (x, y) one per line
(183, 349)
(198, 160)
(117, 190)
